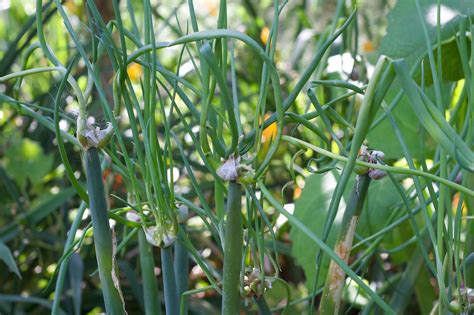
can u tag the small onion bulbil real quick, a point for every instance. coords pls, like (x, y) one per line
(253, 285)
(133, 216)
(161, 237)
(370, 156)
(182, 213)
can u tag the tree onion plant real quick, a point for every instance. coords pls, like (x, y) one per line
(188, 150)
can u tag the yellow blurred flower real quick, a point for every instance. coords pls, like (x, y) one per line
(74, 7)
(268, 134)
(264, 34)
(212, 7)
(134, 72)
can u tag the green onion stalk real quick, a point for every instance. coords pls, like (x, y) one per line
(92, 140)
(233, 237)
(169, 281)
(331, 298)
(147, 264)
(232, 251)
(163, 235)
(181, 257)
(104, 245)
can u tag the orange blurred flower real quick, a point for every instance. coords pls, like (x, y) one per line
(296, 193)
(368, 47)
(456, 203)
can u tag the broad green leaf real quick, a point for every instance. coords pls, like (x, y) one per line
(7, 257)
(25, 160)
(383, 138)
(433, 121)
(381, 198)
(311, 208)
(424, 291)
(405, 38)
(451, 64)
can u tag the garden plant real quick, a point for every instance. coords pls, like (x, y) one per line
(236, 157)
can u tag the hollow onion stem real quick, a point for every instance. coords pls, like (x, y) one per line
(232, 251)
(102, 234)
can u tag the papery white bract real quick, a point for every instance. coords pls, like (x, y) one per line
(228, 171)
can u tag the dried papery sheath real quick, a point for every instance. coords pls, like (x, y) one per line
(228, 171)
(153, 235)
(375, 157)
(364, 151)
(104, 135)
(91, 137)
(168, 240)
(81, 127)
(255, 274)
(363, 156)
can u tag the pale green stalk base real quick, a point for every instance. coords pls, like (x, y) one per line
(181, 258)
(147, 264)
(169, 281)
(232, 251)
